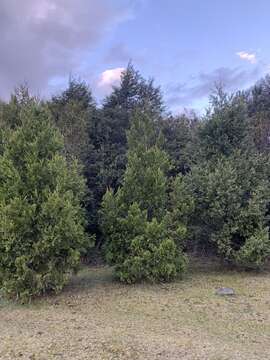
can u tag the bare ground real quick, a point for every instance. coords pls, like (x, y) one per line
(95, 317)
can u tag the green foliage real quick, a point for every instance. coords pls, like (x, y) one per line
(135, 220)
(216, 198)
(180, 135)
(258, 101)
(152, 254)
(97, 137)
(10, 112)
(42, 223)
(226, 127)
(72, 111)
(107, 159)
(181, 206)
(133, 94)
(258, 96)
(256, 250)
(231, 199)
(145, 180)
(140, 249)
(75, 114)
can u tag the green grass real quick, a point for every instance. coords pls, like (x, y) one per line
(95, 317)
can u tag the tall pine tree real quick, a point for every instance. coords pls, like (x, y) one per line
(133, 93)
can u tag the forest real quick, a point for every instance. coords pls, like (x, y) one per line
(130, 184)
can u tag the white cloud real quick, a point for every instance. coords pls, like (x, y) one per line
(42, 9)
(109, 78)
(46, 39)
(250, 57)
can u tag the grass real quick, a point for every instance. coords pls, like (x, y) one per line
(95, 317)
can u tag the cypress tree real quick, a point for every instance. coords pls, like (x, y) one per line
(42, 223)
(135, 219)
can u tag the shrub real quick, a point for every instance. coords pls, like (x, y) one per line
(140, 249)
(134, 221)
(41, 220)
(231, 198)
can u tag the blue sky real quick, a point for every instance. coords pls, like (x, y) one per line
(186, 45)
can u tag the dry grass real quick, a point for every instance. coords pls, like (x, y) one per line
(98, 318)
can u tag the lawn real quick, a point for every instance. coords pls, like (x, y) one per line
(95, 317)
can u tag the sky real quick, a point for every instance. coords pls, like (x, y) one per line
(187, 46)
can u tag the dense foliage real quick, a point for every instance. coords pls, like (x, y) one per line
(41, 220)
(150, 186)
(135, 219)
(230, 186)
(133, 94)
(231, 199)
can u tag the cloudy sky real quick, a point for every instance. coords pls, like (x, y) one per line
(186, 45)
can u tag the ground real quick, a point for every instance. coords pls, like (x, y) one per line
(95, 317)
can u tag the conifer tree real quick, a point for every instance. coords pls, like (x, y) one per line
(42, 223)
(225, 128)
(72, 112)
(133, 93)
(231, 207)
(75, 114)
(135, 220)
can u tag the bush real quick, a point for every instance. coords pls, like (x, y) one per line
(41, 220)
(134, 221)
(140, 249)
(231, 198)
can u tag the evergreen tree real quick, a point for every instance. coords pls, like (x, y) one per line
(41, 220)
(72, 112)
(259, 96)
(258, 99)
(135, 220)
(226, 126)
(107, 159)
(133, 93)
(231, 198)
(2, 127)
(180, 135)
(10, 112)
(145, 179)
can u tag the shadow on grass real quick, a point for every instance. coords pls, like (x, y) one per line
(90, 276)
(214, 266)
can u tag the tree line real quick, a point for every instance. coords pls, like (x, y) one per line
(144, 187)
